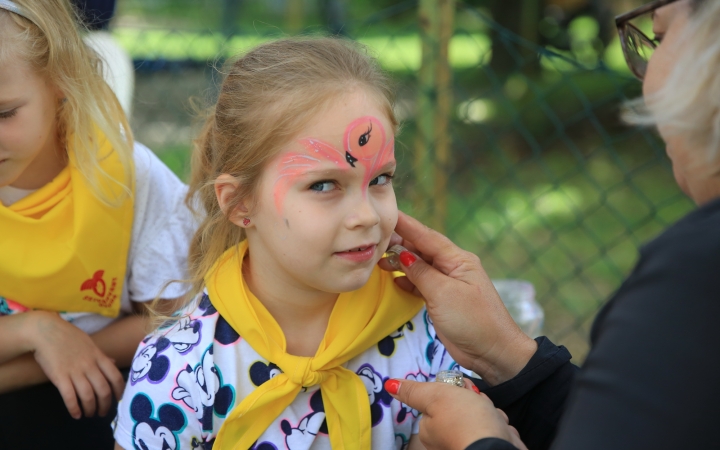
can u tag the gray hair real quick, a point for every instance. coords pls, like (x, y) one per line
(688, 104)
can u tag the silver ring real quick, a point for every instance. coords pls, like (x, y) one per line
(454, 377)
(393, 256)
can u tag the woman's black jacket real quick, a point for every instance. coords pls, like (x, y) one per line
(652, 377)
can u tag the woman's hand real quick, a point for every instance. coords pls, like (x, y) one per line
(453, 417)
(75, 365)
(462, 302)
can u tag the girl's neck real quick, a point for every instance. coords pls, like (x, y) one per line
(48, 163)
(302, 313)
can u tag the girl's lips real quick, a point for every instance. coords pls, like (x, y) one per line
(358, 256)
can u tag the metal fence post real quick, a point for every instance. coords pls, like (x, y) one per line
(434, 104)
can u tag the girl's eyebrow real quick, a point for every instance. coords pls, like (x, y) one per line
(10, 101)
(387, 166)
(335, 171)
(325, 172)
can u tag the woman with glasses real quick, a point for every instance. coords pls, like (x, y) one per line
(652, 377)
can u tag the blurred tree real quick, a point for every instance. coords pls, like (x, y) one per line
(294, 16)
(521, 17)
(334, 15)
(541, 22)
(229, 18)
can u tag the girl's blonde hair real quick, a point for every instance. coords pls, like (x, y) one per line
(688, 104)
(50, 42)
(267, 97)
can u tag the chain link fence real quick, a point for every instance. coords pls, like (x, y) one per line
(541, 178)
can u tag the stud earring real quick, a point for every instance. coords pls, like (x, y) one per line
(246, 222)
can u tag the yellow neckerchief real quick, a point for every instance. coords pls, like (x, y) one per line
(359, 320)
(63, 249)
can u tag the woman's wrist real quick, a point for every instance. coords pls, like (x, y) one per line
(506, 361)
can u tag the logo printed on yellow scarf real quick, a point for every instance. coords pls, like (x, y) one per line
(97, 285)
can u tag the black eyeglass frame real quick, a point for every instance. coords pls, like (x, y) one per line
(622, 22)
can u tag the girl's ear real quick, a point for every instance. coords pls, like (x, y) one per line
(225, 190)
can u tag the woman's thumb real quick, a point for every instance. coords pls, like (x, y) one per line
(425, 277)
(414, 394)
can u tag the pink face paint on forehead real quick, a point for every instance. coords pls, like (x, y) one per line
(294, 165)
(364, 145)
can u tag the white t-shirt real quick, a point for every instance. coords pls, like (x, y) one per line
(186, 379)
(161, 233)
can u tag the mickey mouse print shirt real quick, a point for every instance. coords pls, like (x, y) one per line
(185, 379)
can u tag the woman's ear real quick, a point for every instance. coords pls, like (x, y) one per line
(225, 190)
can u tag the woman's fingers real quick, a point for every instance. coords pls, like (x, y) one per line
(424, 240)
(515, 439)
(406, 285)
(415, 394)
(452, 417)
(502, 414)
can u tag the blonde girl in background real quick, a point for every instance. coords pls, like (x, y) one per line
(92, 225)
(299, 329)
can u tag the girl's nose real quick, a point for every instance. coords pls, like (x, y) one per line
(363, 215)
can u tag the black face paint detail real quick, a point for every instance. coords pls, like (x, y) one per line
(350, 159)
(365, 137)
(287, 224)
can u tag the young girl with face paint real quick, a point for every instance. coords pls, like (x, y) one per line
(91, 226)
(298, 327)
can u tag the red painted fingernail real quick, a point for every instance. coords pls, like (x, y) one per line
(475, 388)
(407, 259)
(392, 386)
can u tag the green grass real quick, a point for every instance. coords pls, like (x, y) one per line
(395, 53)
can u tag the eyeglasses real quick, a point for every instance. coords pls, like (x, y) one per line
(636, 45)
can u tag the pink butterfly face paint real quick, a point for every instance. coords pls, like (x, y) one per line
(364, 149)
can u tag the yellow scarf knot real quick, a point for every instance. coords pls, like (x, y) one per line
(359, 320)
(299, 370)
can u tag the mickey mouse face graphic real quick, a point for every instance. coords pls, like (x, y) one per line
(406, 411)
(155, 433)
(303, 435)
(386, 346)
(377, 395)
(186, 335)
(150, 363)
(261, 372)
(202, 390)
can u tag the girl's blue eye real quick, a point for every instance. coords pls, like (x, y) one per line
(382, 180)
(322, 186)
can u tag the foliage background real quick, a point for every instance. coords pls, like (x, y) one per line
(545, 182)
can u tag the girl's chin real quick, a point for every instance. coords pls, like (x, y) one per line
(350, 282)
